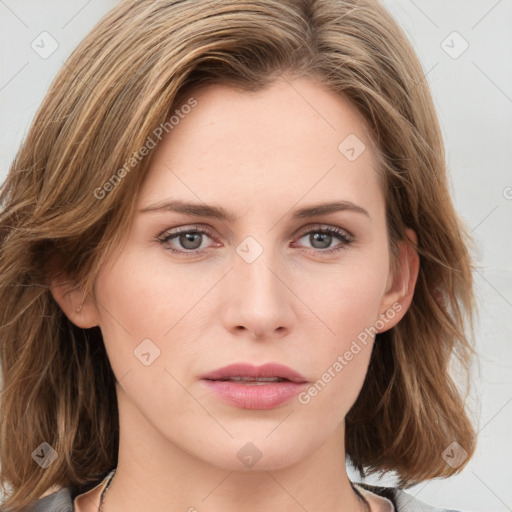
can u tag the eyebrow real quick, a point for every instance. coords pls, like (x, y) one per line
(217, 212)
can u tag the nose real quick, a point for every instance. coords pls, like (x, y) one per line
(258, 300)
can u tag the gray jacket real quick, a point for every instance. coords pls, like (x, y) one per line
(62, 501)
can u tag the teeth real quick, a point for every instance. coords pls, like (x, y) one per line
(255, 380)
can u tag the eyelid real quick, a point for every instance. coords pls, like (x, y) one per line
(322, 227)
(187, 229)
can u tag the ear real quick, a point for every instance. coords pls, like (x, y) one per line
(79, 308)
(401, 283)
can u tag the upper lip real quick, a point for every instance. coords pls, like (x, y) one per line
(249, 370)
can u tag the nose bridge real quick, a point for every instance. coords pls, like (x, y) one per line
(255, 270)
(260, 302)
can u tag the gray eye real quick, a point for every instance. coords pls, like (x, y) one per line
(322, 239)
(190, 240)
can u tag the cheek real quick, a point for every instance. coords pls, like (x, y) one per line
(345, 298)
(140, 304)
(128, 301)
(347, 304)
(145, 298)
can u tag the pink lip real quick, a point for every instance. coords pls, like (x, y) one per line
(255, 396)
(249, 370)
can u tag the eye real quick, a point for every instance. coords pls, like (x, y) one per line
(192, 240)
(323, 238)
(186, 240)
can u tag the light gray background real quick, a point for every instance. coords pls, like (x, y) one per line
(473, 94)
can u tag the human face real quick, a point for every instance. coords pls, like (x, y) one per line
(262, 286)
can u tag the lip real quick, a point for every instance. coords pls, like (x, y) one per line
(255, 396)
(249, 370)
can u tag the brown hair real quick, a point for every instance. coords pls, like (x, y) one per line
(124, 80)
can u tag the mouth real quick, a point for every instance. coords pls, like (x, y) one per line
(250, 374)
(255, 387)
(253, 381)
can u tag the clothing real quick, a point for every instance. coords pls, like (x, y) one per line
(381, 499)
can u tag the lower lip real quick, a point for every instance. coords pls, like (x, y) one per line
(255, 396)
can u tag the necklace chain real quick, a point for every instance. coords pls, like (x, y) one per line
(104, 492)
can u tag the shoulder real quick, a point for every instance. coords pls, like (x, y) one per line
(403, 501)
(65, 499)
(60, 501)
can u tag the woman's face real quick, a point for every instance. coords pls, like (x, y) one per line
(261, 274)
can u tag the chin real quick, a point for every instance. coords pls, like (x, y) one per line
(249, 454)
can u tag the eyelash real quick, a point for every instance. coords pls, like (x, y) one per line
(343, 236)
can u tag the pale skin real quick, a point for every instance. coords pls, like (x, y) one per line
(260, 156)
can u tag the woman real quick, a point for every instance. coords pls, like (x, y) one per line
(230, 260)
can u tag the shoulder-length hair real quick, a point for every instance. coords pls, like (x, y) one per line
(71, 190)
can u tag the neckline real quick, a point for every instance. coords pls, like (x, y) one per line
(378, 502)
(108, 479)
(102, 485)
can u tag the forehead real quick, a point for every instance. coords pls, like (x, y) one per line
(291, 139)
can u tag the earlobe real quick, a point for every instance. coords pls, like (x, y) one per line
(76, 305)
(398, 296)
